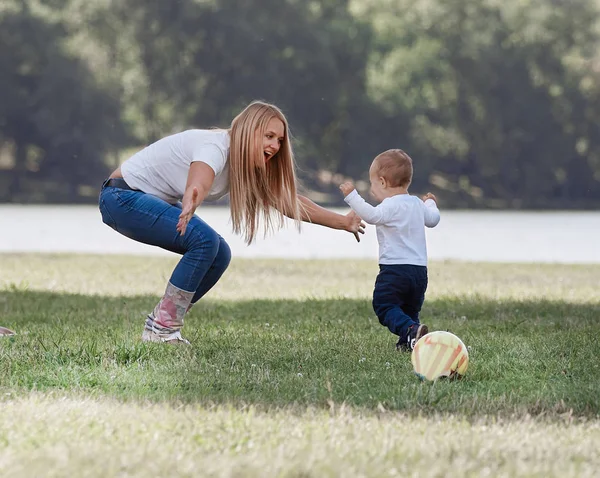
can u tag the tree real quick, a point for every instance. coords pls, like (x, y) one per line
(501, 96)
(58, 121)
(203, 61)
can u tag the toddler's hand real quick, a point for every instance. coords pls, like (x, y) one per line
(346, 188)
(429, 196)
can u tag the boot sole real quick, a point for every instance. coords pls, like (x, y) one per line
(6, 332)
(148, 336)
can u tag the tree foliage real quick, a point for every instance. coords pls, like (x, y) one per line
(496, 101)
(502, 96)
(53, 117)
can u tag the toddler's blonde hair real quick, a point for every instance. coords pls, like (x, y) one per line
(396, 167)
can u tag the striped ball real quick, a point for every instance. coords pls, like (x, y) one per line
(440, 354)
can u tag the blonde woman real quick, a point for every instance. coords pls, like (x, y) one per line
(153, 196)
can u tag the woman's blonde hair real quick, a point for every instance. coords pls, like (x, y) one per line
(260, 188)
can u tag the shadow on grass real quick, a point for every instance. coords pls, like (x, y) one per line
(537, 357)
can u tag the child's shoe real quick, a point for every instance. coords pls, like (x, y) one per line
(415, 332)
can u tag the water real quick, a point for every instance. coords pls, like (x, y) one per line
(550, 237)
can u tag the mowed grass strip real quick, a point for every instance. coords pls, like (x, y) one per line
(278, 334)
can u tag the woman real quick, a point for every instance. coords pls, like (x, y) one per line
(252, 161)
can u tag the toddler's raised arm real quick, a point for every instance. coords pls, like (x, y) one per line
(432, 213)
(370, 214)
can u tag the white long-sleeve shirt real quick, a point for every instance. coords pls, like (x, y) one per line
(400, 223)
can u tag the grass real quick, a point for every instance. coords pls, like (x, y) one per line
(289, 366)
(53, 436)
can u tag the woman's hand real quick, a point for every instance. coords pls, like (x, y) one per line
(355, 225)
(199, 182)
(188, 208)
(315, 214)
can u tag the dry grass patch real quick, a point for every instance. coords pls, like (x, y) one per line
(52, 436)
(295, 279)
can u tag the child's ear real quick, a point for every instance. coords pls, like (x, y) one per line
(383, 182)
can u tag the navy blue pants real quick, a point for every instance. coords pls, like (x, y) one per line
(399, 295)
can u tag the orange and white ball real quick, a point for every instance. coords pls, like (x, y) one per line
(440, 354)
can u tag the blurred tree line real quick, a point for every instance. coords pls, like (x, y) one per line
(497, 101)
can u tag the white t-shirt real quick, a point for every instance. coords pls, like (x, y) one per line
(162, 168)
(400, 223)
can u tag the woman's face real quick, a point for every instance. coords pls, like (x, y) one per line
(274, 136)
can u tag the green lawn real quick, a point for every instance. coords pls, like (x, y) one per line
(286, 353)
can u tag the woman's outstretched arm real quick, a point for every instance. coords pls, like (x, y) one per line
(315, 214)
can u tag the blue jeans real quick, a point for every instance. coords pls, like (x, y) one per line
(148, 219)
(399, 295)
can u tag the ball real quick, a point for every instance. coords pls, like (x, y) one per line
(440, 354)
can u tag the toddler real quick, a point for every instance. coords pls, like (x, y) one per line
(400, 221)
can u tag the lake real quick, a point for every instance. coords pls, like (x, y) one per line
(496, 236)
